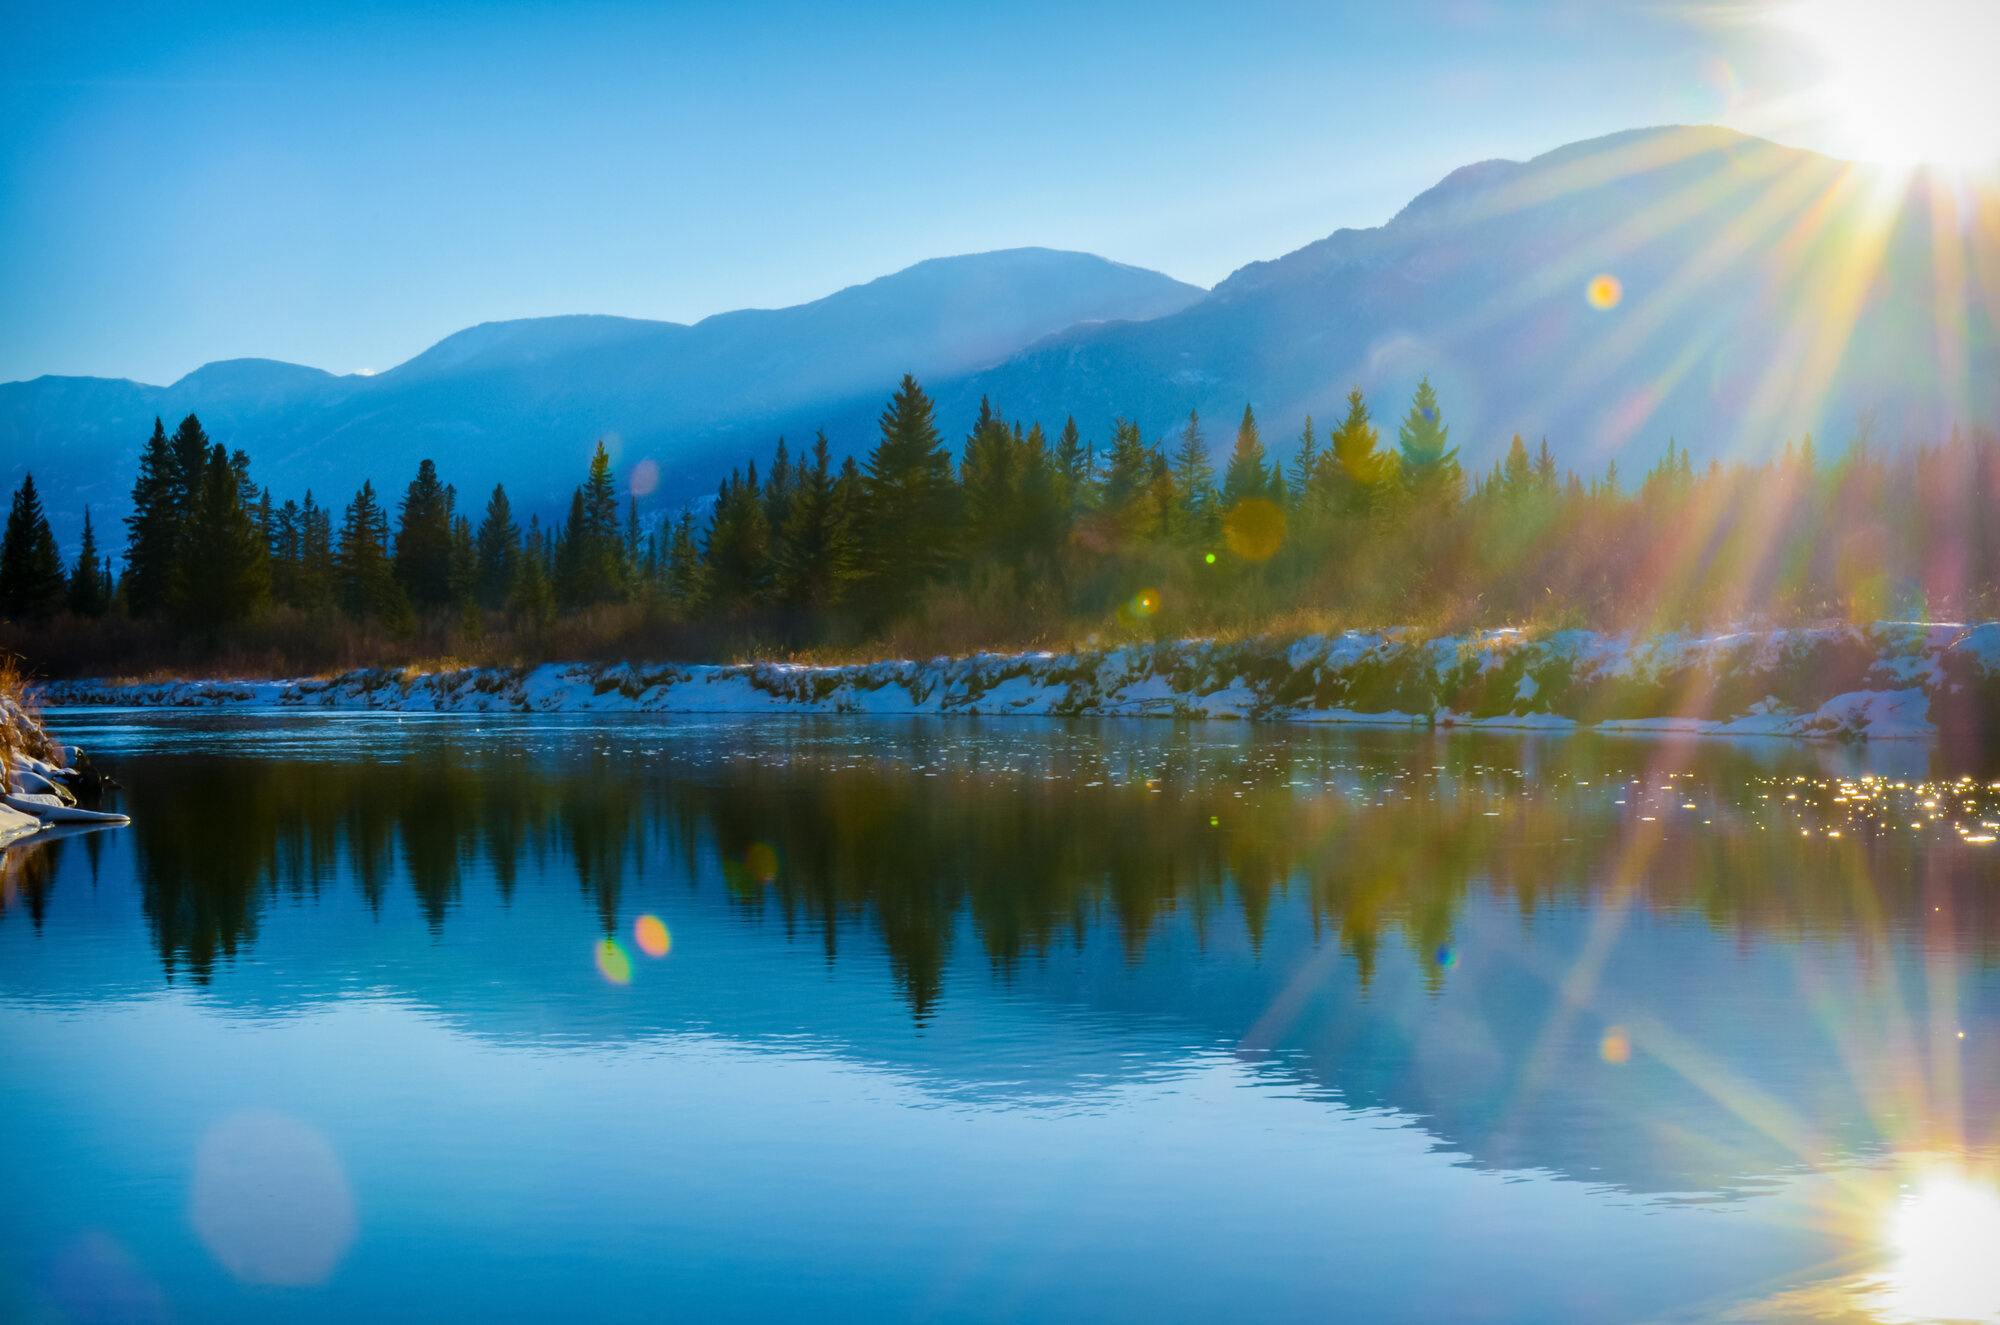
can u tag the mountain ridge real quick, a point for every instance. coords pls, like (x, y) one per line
(1755, 305)
(522, 401)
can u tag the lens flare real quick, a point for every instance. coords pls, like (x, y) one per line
(650, 933)
(613, 962)
(1254, 529)
(760, 862)
(1145, 603)
(1901, 83)
(1447, 956)
(645, 477)
(1605, 292)
(1616, 1046)
(270, 1200)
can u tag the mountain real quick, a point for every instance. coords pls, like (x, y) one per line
(523, 402)
(1762, 293)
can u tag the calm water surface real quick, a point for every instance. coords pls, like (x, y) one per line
(362, 1018)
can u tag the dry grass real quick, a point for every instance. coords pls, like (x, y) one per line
(20, 722)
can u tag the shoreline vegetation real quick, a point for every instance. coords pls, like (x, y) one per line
(1888, 680)
(1016, 542)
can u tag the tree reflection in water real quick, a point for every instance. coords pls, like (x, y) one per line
(1035, 842)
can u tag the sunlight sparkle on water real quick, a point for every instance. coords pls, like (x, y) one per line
(1946, 1237)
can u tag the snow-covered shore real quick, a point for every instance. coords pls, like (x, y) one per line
(1887, 680)
(37, 777)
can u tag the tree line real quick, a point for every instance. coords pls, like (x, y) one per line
(1027, 535)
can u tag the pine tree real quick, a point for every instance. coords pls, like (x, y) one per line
(1040, 515)
(189, 466)
(778, 488)
(31, 573)
(1197, 507)
(368, 586)
(265, 518)
(991, 479)
(287, 545)
(318, 570)
(1359, 476)
(463, 578)
(223, 575)
(815, 557)
(152, 530)
(531, 599)
(499, 549)
(904, 537)
(684, 568)
(1136, 490)
(737, 552)
(246, 490)
(1248, 476)
(1545, 471)
(1517, 474)
(629, 551)
(1305, 465)
(86, 591)
(1429, 467)
(600, 508)
(589, 565)
(1074, 465)
(422, 557)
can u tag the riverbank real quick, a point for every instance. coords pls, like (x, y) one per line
(1888, 680)
(40, 779)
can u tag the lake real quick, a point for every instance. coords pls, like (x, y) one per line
(377, 1017)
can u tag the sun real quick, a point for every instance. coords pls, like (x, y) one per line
(1906, 82)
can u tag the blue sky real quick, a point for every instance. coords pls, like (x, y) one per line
(343, 185)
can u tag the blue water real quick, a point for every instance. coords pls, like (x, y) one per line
(970, 1020)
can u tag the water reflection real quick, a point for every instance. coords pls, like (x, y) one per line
(1036, 842)
(1701, 973)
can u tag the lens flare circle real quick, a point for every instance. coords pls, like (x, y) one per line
(650, 933)
(1254, 529)
(644, 478)
(1605, 292)
(270, 1200)
(1616, 1046)
(613, 962)
(760, 862)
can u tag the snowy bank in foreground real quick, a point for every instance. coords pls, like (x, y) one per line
(38, 777)
(1891, 679)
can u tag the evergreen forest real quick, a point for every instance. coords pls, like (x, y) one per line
(1013, 538)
